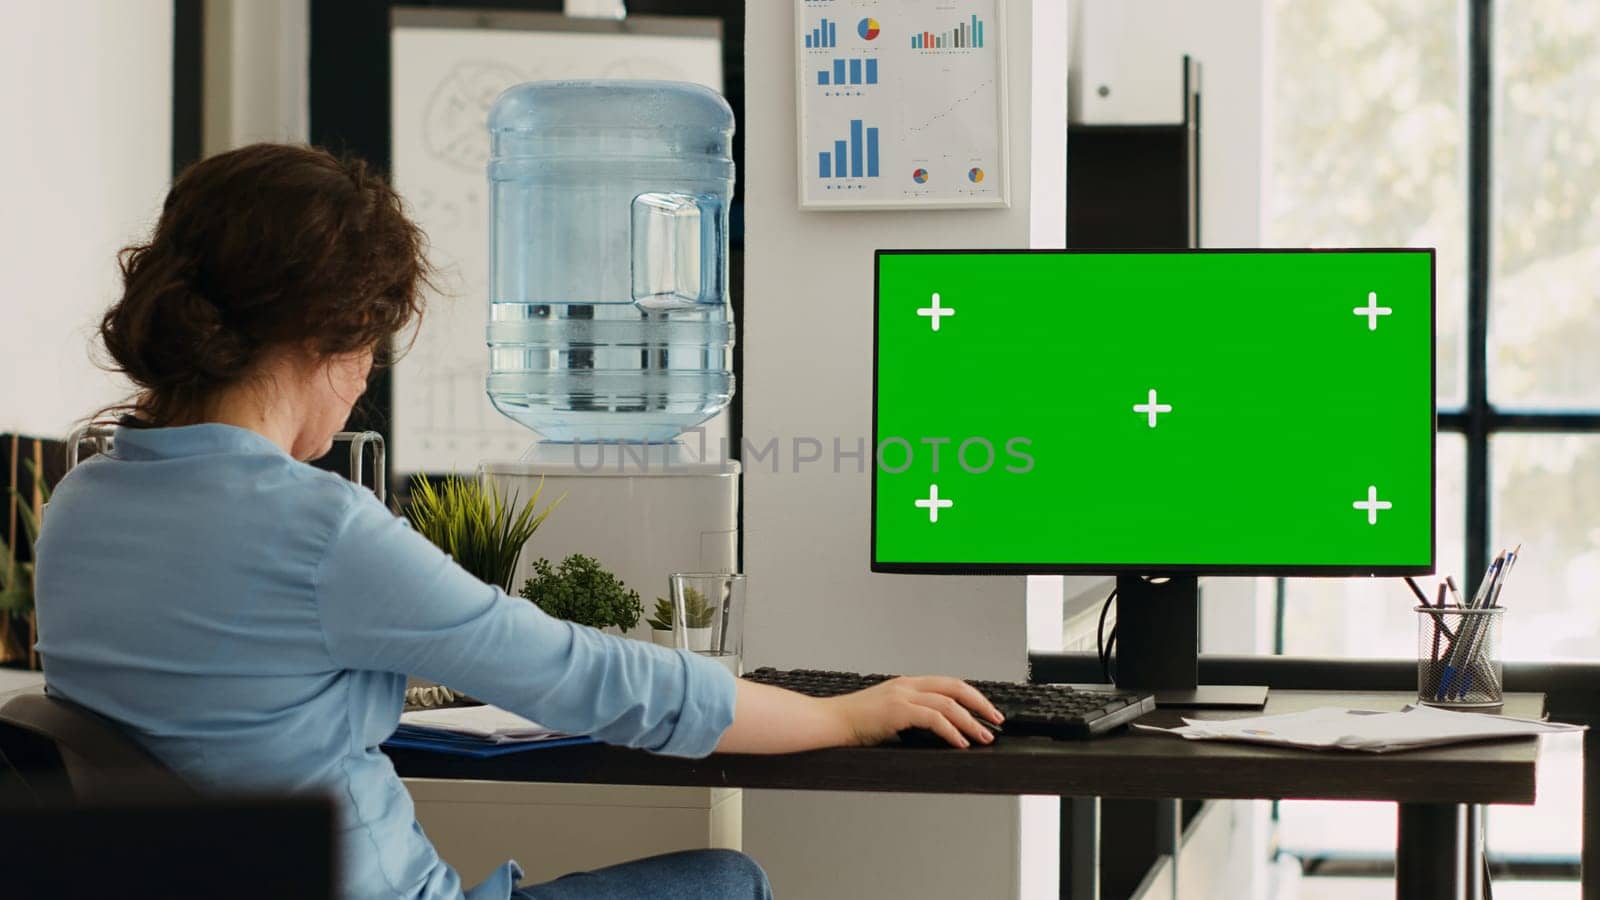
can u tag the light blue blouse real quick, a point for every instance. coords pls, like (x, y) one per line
(251, 620)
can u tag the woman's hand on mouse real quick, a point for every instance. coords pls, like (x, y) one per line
(949, 707)
(768, 719)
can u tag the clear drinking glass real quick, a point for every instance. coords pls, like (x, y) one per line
(708, 615)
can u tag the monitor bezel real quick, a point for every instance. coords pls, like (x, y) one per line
(1154, 569)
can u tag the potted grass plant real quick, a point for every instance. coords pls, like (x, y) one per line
(470, 520)
(18, 624)
(697, 616)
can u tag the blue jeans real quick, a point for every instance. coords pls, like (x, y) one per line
(687, 875)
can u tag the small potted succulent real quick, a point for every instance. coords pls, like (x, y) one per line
(697, 616)
(581, 591)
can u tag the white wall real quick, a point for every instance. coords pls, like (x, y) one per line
(89, 84)
(84, 165)
(807, 333)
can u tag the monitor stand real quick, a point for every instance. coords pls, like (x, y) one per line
(1158, 645)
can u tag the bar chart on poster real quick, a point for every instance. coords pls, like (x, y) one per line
(902, 103)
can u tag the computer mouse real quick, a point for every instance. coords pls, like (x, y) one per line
(924, 737)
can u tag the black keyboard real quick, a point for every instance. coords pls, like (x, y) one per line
(1051, 710)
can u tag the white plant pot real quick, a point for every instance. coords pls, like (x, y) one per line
(699, 638)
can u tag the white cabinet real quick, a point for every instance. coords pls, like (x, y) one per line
(553, 829)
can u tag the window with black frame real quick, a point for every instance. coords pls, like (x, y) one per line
(1472, 126)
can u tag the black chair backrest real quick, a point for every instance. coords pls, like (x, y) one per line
(55, 746)
(243, 848)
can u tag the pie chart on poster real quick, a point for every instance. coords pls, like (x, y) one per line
(975, 175)
(867, 28)
(920, 176)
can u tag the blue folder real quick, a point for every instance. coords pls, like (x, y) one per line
(410, 738)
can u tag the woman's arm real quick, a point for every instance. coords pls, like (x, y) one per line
(767, 719)
(390, 601)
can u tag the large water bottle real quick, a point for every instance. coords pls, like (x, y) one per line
(608, 264)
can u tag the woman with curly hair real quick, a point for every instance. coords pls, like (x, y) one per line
(251, 620)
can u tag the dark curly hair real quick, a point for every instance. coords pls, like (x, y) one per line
(266, 246)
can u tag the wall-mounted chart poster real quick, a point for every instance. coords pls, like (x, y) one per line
(902, 103)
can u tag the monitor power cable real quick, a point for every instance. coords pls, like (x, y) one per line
(1106, 647)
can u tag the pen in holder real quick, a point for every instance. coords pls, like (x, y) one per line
(1458, 656)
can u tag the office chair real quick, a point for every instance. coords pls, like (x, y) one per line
(75, 788)
(243, 848)
(54, 749)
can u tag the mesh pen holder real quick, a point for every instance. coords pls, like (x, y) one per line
(1458, 657)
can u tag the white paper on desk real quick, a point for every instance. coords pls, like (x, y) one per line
(1332, 727)
(489, 723)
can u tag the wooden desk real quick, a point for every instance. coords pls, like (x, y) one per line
(1429, 785)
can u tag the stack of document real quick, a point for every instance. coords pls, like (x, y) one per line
(1331, 727)
(475, 731)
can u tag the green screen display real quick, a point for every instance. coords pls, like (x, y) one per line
(1227, 411)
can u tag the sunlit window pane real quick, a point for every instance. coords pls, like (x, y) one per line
(1546, 497)
(1545, 285)
(1552, 829)
(1373, 617)
(1366, 129)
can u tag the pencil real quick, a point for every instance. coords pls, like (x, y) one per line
(1455, 592)
(1438, 622)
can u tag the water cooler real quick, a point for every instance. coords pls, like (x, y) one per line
(610, 332)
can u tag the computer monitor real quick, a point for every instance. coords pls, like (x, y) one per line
(1154, 415)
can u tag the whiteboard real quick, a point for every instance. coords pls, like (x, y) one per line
(448, 68)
